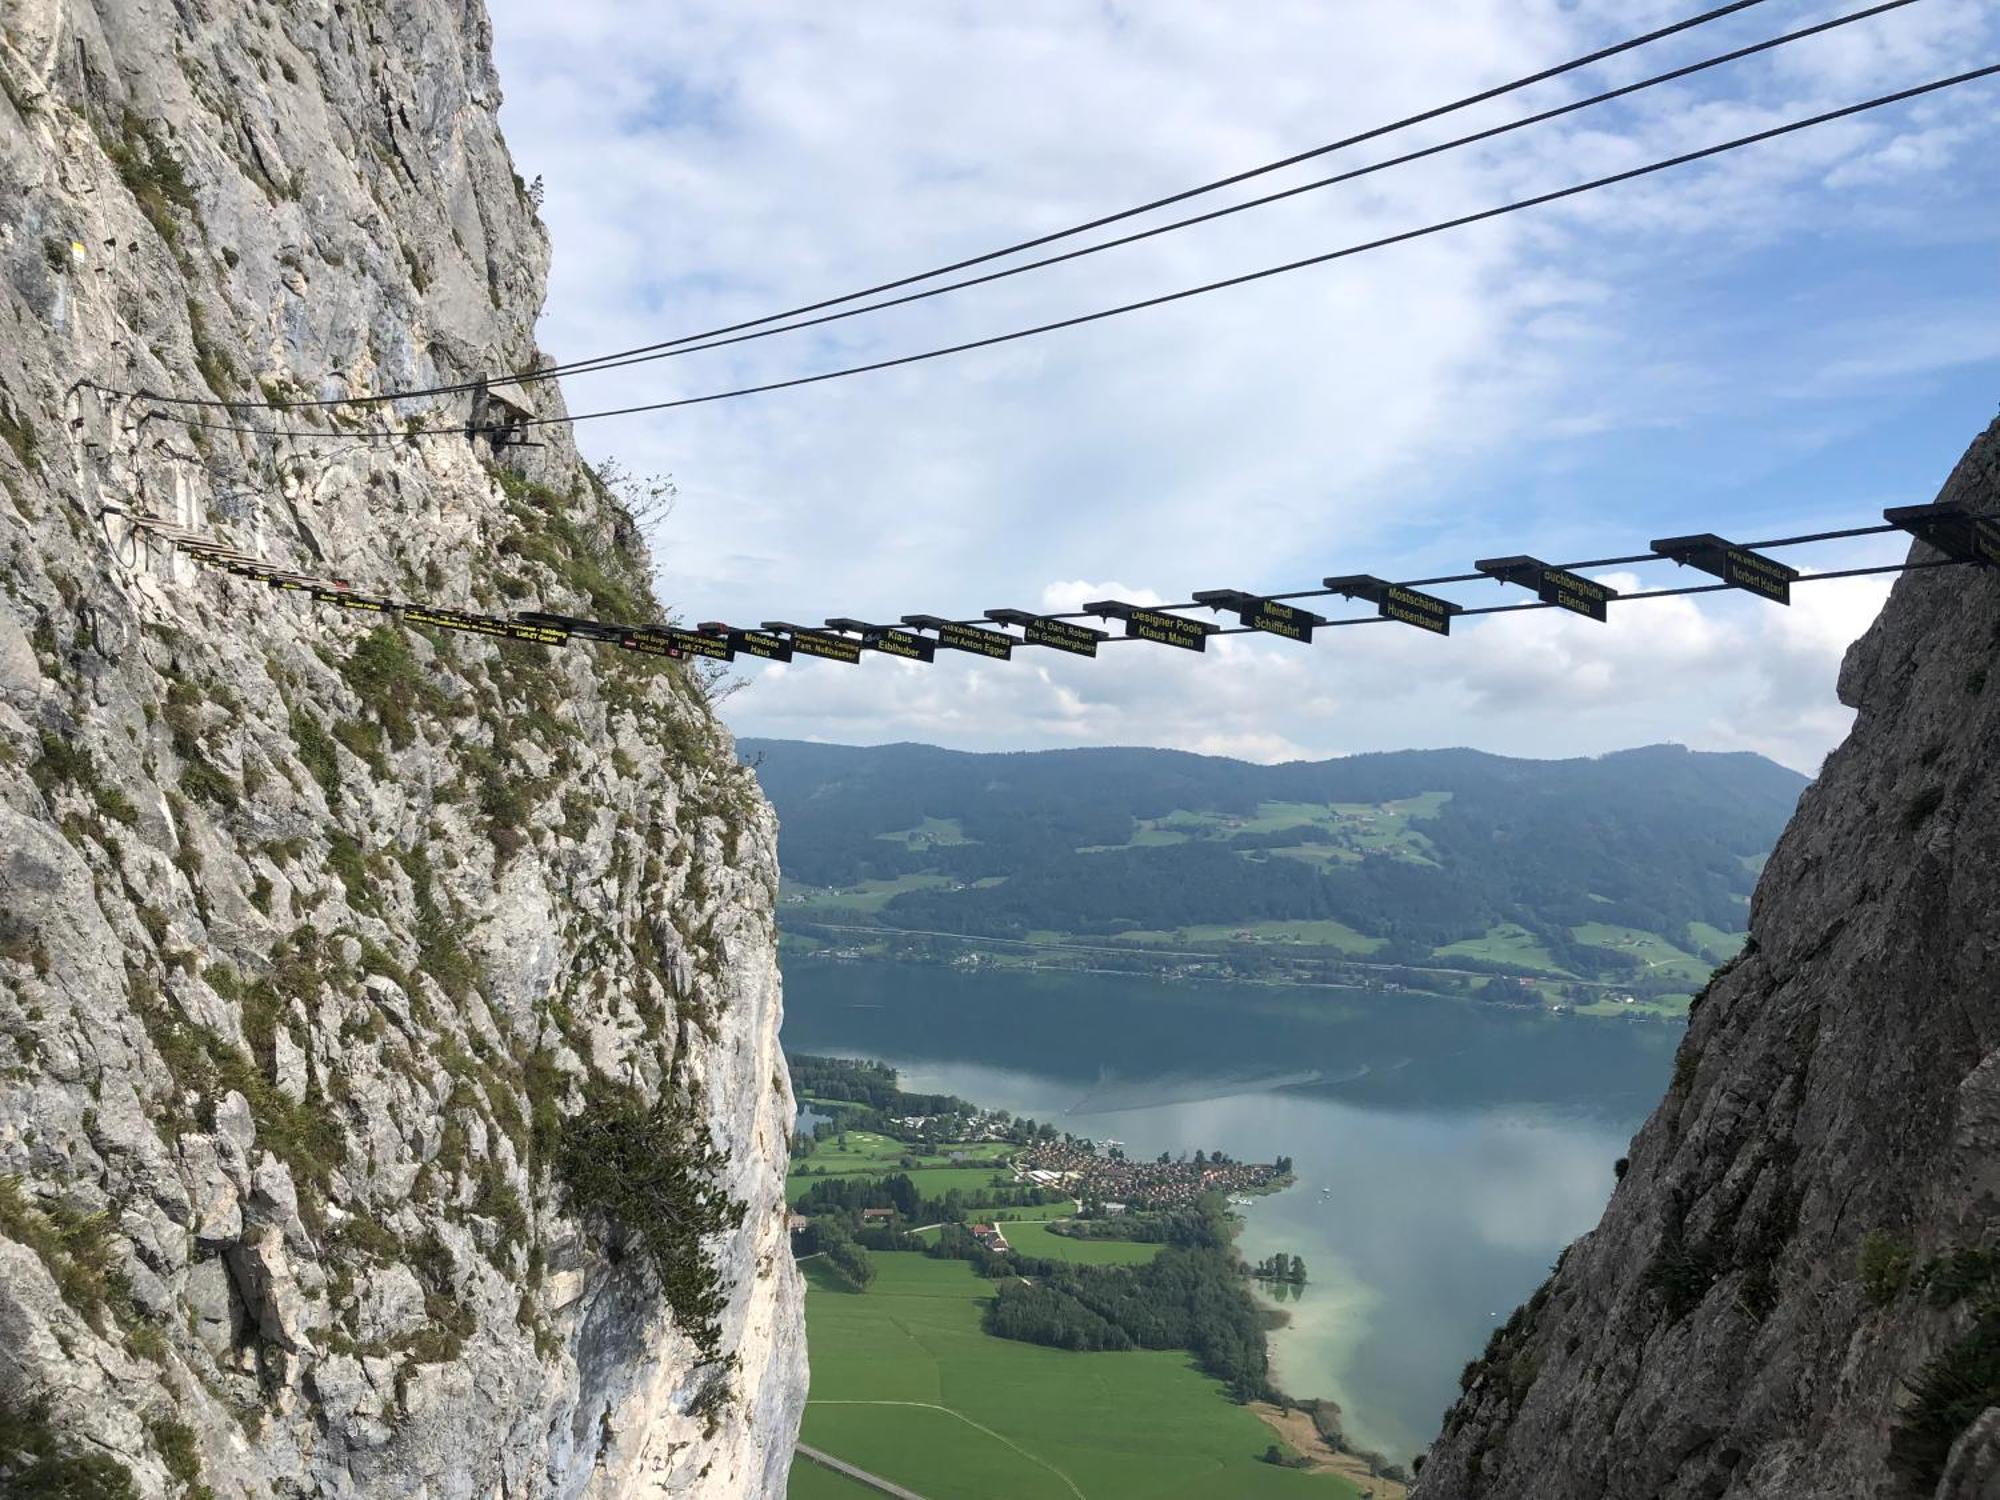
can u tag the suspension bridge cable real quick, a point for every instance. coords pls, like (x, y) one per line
(1515, 609)
(1567, 567)
(546, 629)
(587, 365)
(1461, 221)
(653, 353)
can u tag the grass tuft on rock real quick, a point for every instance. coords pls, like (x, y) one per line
(152, 175)
(78, 1248)
(36, 1464)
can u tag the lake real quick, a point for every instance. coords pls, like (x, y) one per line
(1446, 1151)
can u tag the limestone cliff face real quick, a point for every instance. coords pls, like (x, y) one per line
(1795, 1289)
(334, 956)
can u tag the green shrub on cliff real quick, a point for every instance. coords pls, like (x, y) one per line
(34, 1465)
(653, 1171)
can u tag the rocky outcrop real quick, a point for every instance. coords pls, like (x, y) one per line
(1795, 1289)
(335, 957)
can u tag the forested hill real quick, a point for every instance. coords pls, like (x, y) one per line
(1620, 864)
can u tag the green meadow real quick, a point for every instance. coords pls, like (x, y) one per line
(905, 1384)
(1035, 1239)
(869, 1154)
(1505, 944)
(1661, 958)
(810, 1482)
(932, 1182)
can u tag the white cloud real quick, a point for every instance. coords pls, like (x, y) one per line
(1483, 391)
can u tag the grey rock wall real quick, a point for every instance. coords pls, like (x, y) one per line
(313, 932)
(1795, 1289)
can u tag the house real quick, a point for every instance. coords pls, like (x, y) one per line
(877, 1215)
(795, 1222)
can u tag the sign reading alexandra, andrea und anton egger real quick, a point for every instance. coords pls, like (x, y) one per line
(968, 638)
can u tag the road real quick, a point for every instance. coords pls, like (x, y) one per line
(859, 1476)
(1271, 950)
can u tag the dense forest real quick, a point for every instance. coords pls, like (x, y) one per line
(1102, 842)
(870, 1084)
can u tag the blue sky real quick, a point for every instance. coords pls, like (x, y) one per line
(1785, 339)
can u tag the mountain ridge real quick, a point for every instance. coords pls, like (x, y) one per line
(1438, 858)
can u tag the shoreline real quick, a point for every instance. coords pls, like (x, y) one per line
(1649, 1013)
(1345, 1301)
(1296, 1429)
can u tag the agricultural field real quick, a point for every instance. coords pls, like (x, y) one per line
(1383, 827)
(871, 1151)
(868, 1153)
(907, 1385)
(1505, 944)
(1324, 933)
(867, 897)
(1659, 1007)
(1661, 958)
(810, 1482)
(930, 833)
(932, 1182)
(1715, 943)
(1033, 1238)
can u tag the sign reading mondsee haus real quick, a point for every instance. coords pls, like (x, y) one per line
(760, 644)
